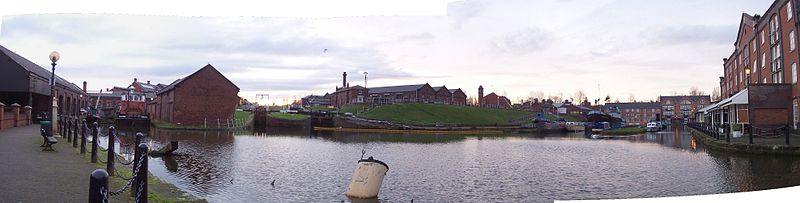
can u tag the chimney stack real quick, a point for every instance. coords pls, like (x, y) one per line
(134, 79)
(84, 86)
(344, 79)
(148, 82)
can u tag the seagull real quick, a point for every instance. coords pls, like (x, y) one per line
(325, 51)
(273, 182)
(231, 180)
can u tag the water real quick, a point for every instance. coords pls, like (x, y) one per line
(238, 167)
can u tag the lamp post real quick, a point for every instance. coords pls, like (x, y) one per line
(54, 56)
(749, 110)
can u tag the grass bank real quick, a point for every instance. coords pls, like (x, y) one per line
(241, 115)
(431, 114)
(625, 131)
(289, 116)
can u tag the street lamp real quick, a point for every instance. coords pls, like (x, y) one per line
(54, 56)
(749, 110)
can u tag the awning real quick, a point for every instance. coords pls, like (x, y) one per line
(738, 98)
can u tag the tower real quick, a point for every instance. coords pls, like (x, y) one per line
(344, 79)
(480, 95)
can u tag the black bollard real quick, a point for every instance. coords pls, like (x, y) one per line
(110, 153)
(98, 186)
(75, 133)
(137, 156)
(83, 136)
(94, 142)
(786, 134)
(141, 177)
(751, 135)
(67, 130)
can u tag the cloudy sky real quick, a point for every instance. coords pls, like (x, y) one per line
(557, 47)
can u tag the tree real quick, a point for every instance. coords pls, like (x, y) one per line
(580, 96)
(715, 95)
(631, 98)
(694, 91)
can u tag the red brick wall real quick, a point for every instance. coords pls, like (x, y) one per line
(204, 95)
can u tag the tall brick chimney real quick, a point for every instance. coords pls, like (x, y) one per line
(480, 96)
(84, 86)
(344, 79)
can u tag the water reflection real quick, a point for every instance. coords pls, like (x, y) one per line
(316, 167)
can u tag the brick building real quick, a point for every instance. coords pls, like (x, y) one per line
(765, 47)
(493, 100)
(28, 84)
(419, 93)
(204, 96)
(682, 108)
(636, 113)
(316, 100)
(458, 97)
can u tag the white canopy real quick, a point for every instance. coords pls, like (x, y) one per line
(738, 98)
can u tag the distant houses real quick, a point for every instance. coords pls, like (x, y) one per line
(204, 96)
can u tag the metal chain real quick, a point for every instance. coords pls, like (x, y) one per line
(135, 175)
(103, 193)
(139, 191)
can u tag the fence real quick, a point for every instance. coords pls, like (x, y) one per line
(765, 134)
(14, 116)
(71, 127)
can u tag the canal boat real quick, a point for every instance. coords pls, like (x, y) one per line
(132, 110)
(653, 127)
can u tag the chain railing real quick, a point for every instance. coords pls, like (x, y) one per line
(98, 183)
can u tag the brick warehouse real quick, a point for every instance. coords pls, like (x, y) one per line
(766, 47)
(419, 93)
(682, 108)
(204, 96)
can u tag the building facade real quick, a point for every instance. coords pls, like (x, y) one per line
(202, 97)
(766, 48)
(419, 93)
(28, 84)
(636, 113)
(682, 108)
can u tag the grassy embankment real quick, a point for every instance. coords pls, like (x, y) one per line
(289, 116)
(431, 114)
(625, 131)
(212, 125)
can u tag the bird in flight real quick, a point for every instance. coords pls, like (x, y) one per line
(325, 51)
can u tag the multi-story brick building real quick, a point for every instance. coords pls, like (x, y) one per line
(458, 97)
(682, 108)
(204, 96)
(766, 48)
(636, 113)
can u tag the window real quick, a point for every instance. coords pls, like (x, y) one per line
(789, 12)
(763, 59)
(762, 37)
(794, 73)
(791, 40)
(794, 111)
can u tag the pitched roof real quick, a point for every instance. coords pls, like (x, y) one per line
(37, 70)
(401, 88)
(178, 81)
(147, 87)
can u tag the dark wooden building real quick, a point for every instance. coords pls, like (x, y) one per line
(202, 97)
(27, 84)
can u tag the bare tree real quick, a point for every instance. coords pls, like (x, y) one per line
(631, 98)
(580, 96)
(715, 95)
(694, 91)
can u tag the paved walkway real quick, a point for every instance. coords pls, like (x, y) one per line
(28, 174)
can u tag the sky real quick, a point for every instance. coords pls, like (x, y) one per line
(515, 48)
